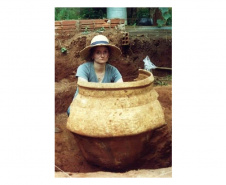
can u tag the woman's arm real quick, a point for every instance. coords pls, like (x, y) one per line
(120, 80)
(82, 79)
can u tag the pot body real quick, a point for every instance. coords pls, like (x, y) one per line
(114, 153)
(113, 122)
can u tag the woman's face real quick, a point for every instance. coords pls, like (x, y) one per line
(100, 54)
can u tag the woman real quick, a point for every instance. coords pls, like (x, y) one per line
(96, 69)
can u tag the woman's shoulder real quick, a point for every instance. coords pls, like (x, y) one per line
(88, 63)
(111, 67)
(84, 69)
(85, 65)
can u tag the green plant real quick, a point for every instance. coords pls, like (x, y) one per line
(159, 82)
(93, 13)
(134, 25)
(100, 30)
(163, 80)
(167, 17)
(79, 13)
(86, 31)
(66, 13)
(143, 13)
(169, 77)
(63, 50)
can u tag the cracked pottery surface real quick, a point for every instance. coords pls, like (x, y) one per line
(116, 109)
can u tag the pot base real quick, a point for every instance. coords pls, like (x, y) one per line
(114, 153)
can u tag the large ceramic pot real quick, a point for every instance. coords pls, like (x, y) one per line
(113, 122)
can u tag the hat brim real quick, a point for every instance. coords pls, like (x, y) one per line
(115, 52)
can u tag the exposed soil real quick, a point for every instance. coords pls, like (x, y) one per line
(156, 173)
(158, 48)
(68, 157)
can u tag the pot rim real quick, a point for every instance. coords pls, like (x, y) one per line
(122, 120)
(139, 83)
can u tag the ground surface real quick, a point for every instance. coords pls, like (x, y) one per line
(158, 173)
(158, 46)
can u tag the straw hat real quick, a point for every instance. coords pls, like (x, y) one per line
(100, 40)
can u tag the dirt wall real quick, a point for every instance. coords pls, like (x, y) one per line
(158, 46)
(158, 49)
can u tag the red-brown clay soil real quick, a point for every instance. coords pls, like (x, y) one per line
(68, 156)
